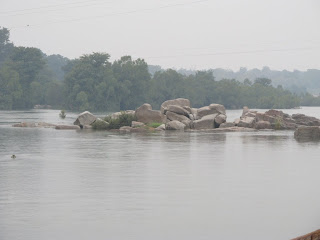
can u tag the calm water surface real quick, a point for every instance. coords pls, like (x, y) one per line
(78, 185)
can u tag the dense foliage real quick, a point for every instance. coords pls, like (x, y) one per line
(92, 82)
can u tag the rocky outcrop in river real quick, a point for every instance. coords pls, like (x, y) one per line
(178, 114)
(274, 119)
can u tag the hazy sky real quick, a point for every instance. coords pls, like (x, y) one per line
(196, 34)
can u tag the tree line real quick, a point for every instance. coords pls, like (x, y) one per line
(92, 82)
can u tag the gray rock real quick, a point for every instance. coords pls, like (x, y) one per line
(236, 121)
(302, 119)
(178, 110)
(218, 107)
(178, 102)
(191, 117)
(67, 127)
(227, 125)
(188, 109)
(162, 127)
(244, 111)
(221, 118)
(100, 124)
(194, 112)
(247, 122)
(145, 114)
(176, 117)
(207, 122)
(262, 125)
(204, 111)
(175, 125)
(125, 129)
(307, 133)
(135, 124)
(250, 114)
(85, 118)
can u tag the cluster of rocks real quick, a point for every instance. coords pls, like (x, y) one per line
(177, 114)
(274, 119)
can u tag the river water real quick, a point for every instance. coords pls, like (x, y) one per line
(74, 185)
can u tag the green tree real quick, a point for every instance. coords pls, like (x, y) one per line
(90, 84)
(133, 80)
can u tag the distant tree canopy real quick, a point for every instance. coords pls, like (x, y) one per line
(92, 82)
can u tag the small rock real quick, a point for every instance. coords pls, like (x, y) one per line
(135, 124)
(227, 125)
(67, 127)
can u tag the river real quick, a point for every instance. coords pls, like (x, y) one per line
(74, 185)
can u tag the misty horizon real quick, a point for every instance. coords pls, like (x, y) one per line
(180, 34)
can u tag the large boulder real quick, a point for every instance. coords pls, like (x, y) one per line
(302, 119)
(218, 107)
(145, 114)
(175, 125)
(307, 133)
(178, 110)
(207, 122)
(204, 111)
(176, 117)
(247, 122)
(221, 118)
(85, 118)
(178, 102)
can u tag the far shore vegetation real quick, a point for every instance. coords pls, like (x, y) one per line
(92, 82)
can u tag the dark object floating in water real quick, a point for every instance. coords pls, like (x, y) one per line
(310, 236)
(13, 156)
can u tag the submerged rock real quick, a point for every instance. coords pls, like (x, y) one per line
(34, 125)
(67, 127)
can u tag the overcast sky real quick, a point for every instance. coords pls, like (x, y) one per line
(193, 34)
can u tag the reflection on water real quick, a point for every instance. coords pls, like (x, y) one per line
(172, 185)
